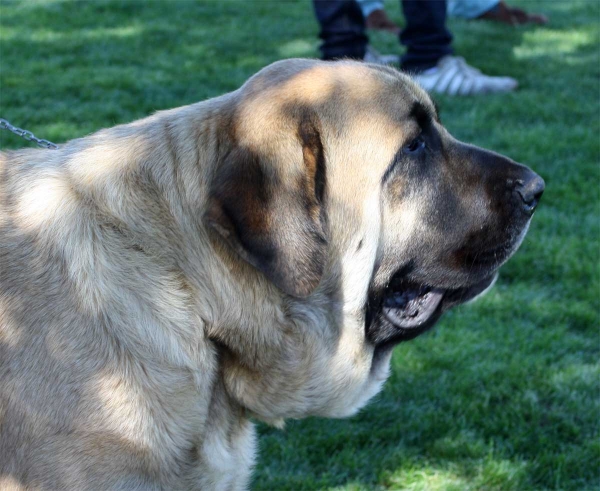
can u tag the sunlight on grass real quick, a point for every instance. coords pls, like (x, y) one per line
(297, 48)
(427, 479)
(488, 474)
(576, 377)
(49, 35)
(500, 474)
(546, 42)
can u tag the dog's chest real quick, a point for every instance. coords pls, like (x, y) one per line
(227, 452)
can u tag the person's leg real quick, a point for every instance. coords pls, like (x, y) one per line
(342, 29)
(429, 54)
(425, 36)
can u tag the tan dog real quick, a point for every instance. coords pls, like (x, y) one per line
(254, 255)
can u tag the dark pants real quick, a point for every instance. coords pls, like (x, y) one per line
(425, 35)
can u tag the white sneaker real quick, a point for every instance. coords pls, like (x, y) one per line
(453, 76)
(373, 56)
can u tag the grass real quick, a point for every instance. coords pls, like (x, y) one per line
(503, 394)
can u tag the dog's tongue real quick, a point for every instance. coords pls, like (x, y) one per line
(411, 307)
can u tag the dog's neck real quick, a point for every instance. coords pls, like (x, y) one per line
(152, 197)
(160, 166)
(148, 200)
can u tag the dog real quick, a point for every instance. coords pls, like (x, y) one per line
(254, 256)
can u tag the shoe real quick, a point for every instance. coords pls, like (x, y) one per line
(452, 76)
(373, 56)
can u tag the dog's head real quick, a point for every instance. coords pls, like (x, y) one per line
(367, 220)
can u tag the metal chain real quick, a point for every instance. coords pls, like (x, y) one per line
(28, 135)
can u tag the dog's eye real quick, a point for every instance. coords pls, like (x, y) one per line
(415, 146)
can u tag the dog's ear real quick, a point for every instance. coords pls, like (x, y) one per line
(271, 213)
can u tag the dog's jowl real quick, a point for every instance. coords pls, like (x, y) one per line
(254, 256)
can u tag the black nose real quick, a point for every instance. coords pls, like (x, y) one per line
(531, 191)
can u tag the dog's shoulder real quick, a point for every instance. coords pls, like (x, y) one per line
(98, 333)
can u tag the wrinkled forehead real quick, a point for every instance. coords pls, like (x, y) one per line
(337, 92)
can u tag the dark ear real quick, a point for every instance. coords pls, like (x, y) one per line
(270, 212)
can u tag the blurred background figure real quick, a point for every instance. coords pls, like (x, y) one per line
(429, 56)
(376, 17)
(493, 10)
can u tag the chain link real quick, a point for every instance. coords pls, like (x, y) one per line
(28, 135)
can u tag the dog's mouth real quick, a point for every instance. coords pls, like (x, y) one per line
(406, 309)
(409, 306)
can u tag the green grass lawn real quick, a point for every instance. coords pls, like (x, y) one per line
(503, 394)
